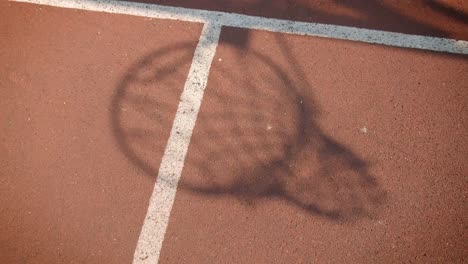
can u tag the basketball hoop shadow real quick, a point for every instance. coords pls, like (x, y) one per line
(256, 136)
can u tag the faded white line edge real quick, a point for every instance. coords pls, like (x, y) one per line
(157, 218)
(262, 23)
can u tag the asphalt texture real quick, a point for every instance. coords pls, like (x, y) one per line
(305, 150)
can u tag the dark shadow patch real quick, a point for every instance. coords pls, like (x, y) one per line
(298, 163)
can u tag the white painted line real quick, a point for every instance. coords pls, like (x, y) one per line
(269, 24)
(157, 218)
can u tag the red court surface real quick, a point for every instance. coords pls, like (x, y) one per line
(447, 18)
(305, 149)
(279, 170)
(72, 81)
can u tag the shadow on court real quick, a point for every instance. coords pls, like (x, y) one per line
(420, 17)
(257, 135)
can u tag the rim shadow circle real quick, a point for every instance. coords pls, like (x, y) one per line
(257, 117)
